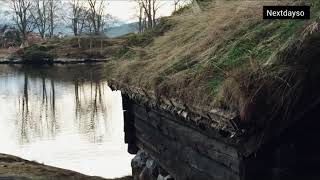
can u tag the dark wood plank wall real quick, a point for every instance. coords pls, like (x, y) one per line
(184, 152)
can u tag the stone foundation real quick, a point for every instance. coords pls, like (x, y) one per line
(145, 168)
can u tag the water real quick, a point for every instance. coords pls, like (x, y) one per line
(65, 116)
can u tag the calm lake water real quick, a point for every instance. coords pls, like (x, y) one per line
(64, 116)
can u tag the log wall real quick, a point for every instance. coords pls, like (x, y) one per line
(184, 151)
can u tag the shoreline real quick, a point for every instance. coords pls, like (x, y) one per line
(16, 168)
(57, 61)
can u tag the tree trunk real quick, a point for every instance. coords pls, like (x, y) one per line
(150, 19)
(75, 27)
(101, 45)
(140, 19)
(79, 42)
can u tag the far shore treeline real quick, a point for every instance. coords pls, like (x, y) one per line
(38, 20)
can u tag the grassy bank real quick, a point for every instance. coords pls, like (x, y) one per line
(79, 48)
(89, 47)
(6, 53)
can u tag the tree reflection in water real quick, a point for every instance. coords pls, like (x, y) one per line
(38, 117)
(90, 109)
(38, 107)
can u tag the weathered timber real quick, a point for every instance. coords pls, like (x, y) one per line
(211, 148)
(194, 164)
(184, 151)
(129, 128)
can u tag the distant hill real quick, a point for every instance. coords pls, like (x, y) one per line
(111, 32)
(121, 30)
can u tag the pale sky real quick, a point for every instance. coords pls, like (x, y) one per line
(124, 10)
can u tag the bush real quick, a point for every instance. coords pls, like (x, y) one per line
(136, 42)
(181, 10)
(164, 25)
(142, 40)
(37, 57)
(36, 54)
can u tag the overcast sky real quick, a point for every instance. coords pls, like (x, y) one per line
(124, 10)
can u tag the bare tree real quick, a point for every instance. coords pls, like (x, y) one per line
(84, 22)
(176, 4)
(45, 16)
(77, 17)
(39, 15)
(52, 15)
(97, 14)
(150, 8)
(155, 7)
(22, 17)
(140, 17)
